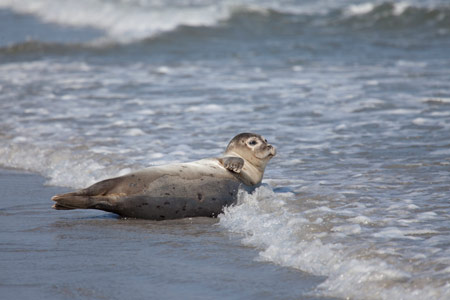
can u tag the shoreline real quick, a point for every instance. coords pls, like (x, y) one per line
(88, 254)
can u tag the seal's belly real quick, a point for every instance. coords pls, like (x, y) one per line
(175, 197)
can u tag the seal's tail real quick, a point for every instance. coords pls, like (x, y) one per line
(72, 201)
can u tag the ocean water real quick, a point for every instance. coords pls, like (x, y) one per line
(355, 95)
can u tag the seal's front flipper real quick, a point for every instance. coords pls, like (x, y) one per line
(232, 163)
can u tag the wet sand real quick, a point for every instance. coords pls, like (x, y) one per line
(48, 254)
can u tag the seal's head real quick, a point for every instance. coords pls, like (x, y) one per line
(253, 148)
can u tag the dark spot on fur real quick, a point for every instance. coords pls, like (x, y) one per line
(133, 175)
(167, 194)
(200, 197)
(145, 203)
(173, 188)
(162, 217)
(167, 203)
(214, 199)
(231, 194)
(184, 207)
(181, 171)
(176, 212)
(157, 206)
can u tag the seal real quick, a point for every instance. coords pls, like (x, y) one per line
(193, 189)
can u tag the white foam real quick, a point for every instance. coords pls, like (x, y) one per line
(19, 139)
(156, 155)
(372, 82)
(341, 127)
(440, 113)
(347, 229)
(164, 70)
(126, 21)
(425, 122)
(360, 220)
(147, 112)
(437, 100)
(134, 132)
(63, 167)
(297, 68)
(400, 8)
(367, 7)
(427, 215)
(401, 111)
(305, 240)
(411, 64)
(392, 233)
(442, 152)
(205, 108)
(359, 9)
(291, 162)
(123, 21)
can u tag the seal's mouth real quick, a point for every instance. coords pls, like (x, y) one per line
(266, 152)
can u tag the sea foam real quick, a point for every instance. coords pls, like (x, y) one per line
(121, 21)
(303, 240)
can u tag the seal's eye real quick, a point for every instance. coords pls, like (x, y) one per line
(253, 143)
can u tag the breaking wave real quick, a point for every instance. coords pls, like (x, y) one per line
(332, 241)
(124, 23)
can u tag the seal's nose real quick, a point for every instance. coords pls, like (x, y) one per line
(273, 150)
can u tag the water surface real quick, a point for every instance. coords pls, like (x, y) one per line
(354, 94)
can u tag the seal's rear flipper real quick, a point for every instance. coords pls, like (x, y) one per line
(94, 196)
(60, 207)
(72, 201)
(78, 200)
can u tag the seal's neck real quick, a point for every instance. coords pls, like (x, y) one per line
(257, 163)
(251, 174)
